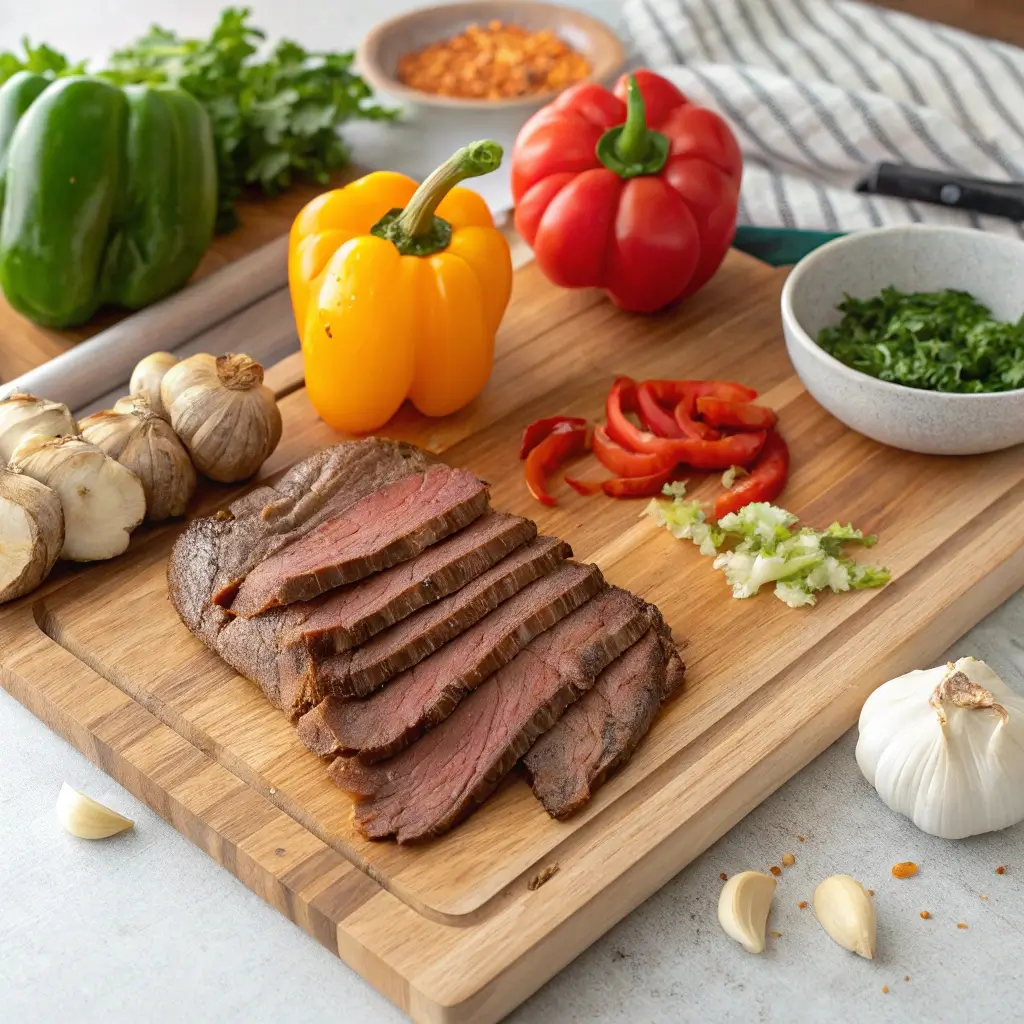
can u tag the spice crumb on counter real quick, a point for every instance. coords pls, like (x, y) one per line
(788, 860)
(723, 876)
(870, 892)
(983, 896)
(776, 935)
(802, 904)
(543, 876)
(961, 926)
(1001, 870)
(906, 977)
(775, 870)
(802, 839)
(905, 869)
(925, 915)
(885, 989)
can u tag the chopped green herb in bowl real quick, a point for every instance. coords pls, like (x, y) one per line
(936, 341)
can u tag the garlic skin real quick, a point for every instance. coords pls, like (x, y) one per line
(945, 748)
(223, 413)
(87, 818)
(847, 913)
(147, 378)
(31, 533)
(102, 501)
(140, 440)
(22, 415)
(743, 908)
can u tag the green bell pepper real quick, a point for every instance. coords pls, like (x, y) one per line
(107, 195)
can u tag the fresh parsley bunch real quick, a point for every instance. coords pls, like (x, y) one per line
(937, 341)
(275, 118)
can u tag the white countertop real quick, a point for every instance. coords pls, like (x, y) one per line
(147, 928)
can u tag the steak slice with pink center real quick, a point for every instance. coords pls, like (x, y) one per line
(389, 526)
(422, 697)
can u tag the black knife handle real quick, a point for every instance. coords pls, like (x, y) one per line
(998, 198)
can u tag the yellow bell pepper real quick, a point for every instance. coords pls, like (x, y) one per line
(398, 292)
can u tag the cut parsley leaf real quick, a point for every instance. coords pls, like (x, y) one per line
(936, 341)
(760, 544)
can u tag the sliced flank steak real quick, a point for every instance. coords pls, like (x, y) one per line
(423, 696)
(444, 776)
(263, 648)
(359, 672)
(389, 526)
(602, 729)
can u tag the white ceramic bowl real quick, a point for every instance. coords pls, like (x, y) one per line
(913, 259)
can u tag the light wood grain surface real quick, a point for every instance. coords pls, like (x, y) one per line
(451, 931)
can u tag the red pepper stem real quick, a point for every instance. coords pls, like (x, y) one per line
(633, 142)
(478, 158)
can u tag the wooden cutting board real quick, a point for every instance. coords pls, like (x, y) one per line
(460, 930)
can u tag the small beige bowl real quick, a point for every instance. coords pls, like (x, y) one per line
(914, 258)
(381, 49)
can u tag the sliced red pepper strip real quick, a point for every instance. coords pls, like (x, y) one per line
(621, 400)
(741, 415)
(656, 418)
(625, 487)
(585, 487)
(638, 486)
(671, 392)
(766, 481)
(539, 429)
(689, 427)
(564, 441)
(735, 450)
(623, 462)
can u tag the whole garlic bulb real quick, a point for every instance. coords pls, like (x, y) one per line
(139, 439)
(31, 533)
(223, 413)
(102, 501)
(22, 415)
(945, 747)
(147, 377)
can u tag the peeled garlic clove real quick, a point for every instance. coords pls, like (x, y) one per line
(148, 376)
(145, 443)
(743, 908)
(31, 533)
(102, 501)
(87, 818)
(847, 913)
(224, 414)
(23, 415)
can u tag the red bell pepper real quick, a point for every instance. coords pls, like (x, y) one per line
(620, 401)
(635, 192)
(740, 415)
(623, 462)
(651, 398)
(766, 481)
(539, 429)
(564, 441)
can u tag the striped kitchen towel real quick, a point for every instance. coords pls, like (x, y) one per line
(819, 91)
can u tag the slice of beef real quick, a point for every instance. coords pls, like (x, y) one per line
(349, 616)
(215, 552)
(423, 696)
(262, 647)
(358, 673)
(443, 777)
(602, 729)
(389, 526)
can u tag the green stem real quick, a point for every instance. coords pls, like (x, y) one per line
(631, 149)
(417, 219)
(633, 143)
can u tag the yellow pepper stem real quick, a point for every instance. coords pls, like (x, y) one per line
(417, 230)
